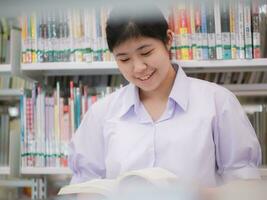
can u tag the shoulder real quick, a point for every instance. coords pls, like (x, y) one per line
(209, 88)
(110, 104)
(221, 97)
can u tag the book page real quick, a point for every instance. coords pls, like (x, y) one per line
(98, 186)
(155, 176)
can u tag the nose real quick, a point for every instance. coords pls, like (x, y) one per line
(139, 66)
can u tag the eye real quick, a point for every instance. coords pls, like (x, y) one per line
(124, 60)
(146, 53)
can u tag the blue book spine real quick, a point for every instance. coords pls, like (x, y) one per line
(205, 48)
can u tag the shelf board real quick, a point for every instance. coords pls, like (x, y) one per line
(10, 94)
(45, 170)
(17, 183)
(67, 171)
(196, 66)
(5, 170)
(263, 171)
(34, 70)
(69, 68)
(248, 89)
(5, 68)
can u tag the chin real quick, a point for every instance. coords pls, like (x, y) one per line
(147, 88)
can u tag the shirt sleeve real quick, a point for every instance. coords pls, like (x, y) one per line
(238, 152)
(86, 150)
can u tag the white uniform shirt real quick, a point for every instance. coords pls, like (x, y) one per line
(204, 136)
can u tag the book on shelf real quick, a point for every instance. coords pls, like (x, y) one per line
(73, 35)
(9, 124)
(104, 188)
(4, 136)
(51, 114)
(4, 41)
(236, 29)
(257, 114)
(13, 82)
(263, 29)
(233, 28)
(232, 78)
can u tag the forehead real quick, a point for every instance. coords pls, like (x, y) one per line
(134, 44)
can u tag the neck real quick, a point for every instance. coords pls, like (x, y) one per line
(163, 91)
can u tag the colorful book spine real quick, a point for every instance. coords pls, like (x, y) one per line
(39, 27)
(33, 37)
(211, 30)
(28, 41)
(256, 29)
(248, 33)
(241, 31)
(23, 24)
(232, 18)
(225, 28)
(183, 30)
(171, 27)
(192, 28)
(204, 33)
(199, 52)
(176, 33)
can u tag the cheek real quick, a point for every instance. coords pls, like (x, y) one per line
(126, 72)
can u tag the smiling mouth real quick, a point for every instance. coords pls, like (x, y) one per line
(146, 77)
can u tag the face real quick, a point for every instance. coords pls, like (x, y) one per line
(143, 61)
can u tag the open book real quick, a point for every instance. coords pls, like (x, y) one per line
(106, 187)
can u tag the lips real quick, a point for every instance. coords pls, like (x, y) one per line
(146, 77)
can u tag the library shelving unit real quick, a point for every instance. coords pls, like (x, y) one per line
(11, 94)
(10, 175)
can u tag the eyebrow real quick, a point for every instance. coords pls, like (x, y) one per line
(139, 48)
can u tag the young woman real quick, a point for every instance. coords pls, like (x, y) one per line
(163, 118)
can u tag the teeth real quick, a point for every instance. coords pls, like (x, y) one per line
(145, 77)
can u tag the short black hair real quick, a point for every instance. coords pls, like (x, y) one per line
(126, 22)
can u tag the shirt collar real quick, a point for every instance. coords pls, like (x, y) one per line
(130, 100)
(180, 88)
(179, 93)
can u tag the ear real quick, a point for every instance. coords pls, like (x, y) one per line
(170, 35)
